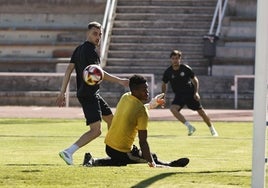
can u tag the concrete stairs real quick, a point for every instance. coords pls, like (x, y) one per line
(145, 32)
(143, 37)
(235, 51)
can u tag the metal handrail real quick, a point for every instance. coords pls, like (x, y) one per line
(106, 13)
(218, 13)
(107, 27)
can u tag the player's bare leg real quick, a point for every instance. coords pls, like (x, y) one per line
(94, 132)
(207, 120)
(175, 109)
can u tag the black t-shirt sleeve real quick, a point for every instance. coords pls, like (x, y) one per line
(166, 76)
(189, 70)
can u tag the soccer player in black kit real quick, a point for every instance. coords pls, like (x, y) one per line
(94, 106)
(185, 86)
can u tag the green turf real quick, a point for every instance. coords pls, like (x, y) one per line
(29, 156)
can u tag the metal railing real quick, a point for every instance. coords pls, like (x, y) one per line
(218, 13)
(107, 27)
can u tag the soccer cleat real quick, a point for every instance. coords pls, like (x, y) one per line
(136, 155)
(191, 130)
(135, 151)
(88, 160)
(182, 162)
(213, 131)
(66, 157)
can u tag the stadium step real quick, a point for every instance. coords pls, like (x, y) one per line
(167, 3)
(45, 21)
(86, 7)
(30, 64)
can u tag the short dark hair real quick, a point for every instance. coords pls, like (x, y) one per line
(94, 24)
(135, 81)
(175, 52)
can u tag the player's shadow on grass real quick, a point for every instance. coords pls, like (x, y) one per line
(148, 182)
(151, 180)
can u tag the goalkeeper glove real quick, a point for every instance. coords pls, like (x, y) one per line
(157, 100)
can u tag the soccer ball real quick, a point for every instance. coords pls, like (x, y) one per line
(93, 75)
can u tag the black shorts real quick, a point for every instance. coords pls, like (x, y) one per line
(94, 107)
(118, 158)
(187, 100)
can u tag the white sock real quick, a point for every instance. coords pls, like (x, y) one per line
(187, 124)
(73, 148)
(211, 127)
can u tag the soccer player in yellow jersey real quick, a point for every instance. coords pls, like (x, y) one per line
(131, 119)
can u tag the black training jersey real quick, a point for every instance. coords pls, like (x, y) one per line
(84, 55)
(180, 80)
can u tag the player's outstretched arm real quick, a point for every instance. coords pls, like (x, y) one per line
(115, 79)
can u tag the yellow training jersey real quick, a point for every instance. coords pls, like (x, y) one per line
(131, 115)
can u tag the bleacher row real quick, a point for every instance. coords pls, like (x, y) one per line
(37, 39)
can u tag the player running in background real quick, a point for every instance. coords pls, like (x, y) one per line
(185, 86)
(131, 118)
(94, 106)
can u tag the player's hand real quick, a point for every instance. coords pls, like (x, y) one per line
(61, 100)
(163, 105)
(157, 100)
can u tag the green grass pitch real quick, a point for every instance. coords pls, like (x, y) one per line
(29, 156)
